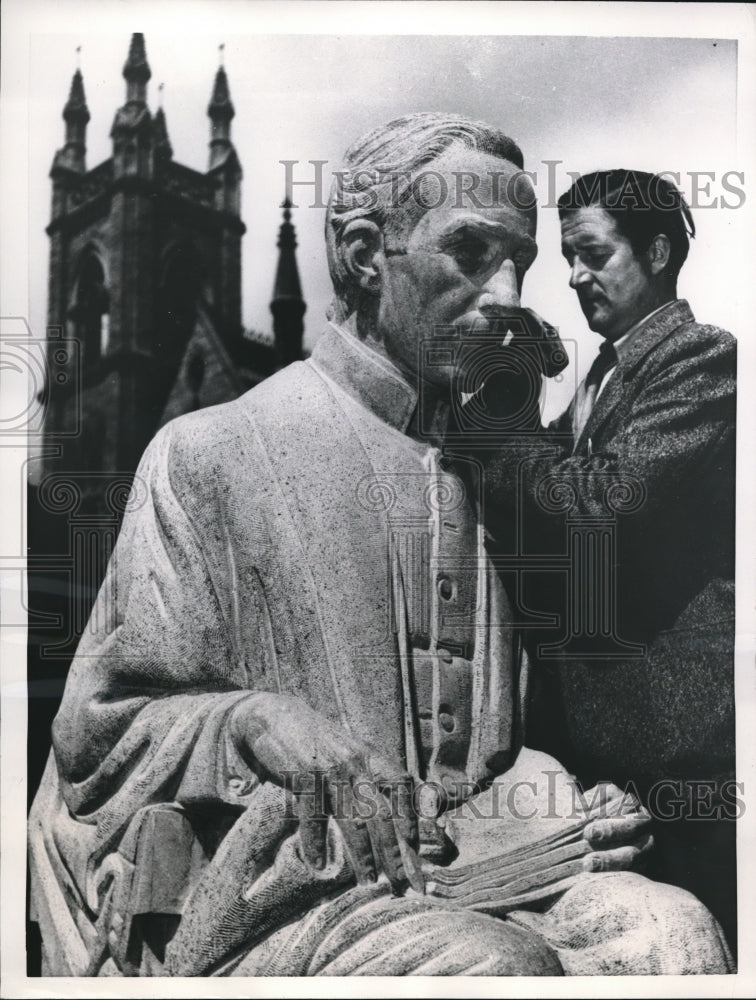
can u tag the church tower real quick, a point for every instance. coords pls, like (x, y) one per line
(142, 250)
(144, 324)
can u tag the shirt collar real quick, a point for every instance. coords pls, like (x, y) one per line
(367, 376)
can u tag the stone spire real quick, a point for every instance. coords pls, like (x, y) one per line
(287, 305)
(76, 116)
(76, 109)
(136, 70)
(132, 131)
(163, 148)
(220, 111)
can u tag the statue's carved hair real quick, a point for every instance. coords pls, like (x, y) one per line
(379, 175)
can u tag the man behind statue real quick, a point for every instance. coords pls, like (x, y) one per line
(300, 602)
(636, 682)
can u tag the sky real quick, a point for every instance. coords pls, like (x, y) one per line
(584, 102)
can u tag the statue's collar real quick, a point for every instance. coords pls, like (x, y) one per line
(366, 375)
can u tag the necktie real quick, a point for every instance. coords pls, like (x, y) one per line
(588, 391)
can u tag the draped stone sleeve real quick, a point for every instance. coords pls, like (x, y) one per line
(154, 678)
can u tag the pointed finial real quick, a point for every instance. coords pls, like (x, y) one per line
(161, 87)
(78, 56)
(220, 107)
(160, 133)
(136, 71)
(287, 239)
(221, 50)
(75, 108)
(136, 66)
(287, 305)
(76, 117)
(221, 98)
(220, 110)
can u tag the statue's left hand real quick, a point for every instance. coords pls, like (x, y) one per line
(618, 843)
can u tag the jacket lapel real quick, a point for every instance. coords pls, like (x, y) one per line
(662, 325)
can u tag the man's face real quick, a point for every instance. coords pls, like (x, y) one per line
(615, 288)
(464, 261)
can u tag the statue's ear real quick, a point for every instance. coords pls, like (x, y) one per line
(360, 241)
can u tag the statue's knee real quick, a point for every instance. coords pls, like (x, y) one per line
(609, 909)
(700, 938)
(498, 948)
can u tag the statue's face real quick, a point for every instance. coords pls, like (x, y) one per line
(462, 264)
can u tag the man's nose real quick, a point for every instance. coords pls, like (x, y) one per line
(579, 274)
(501, 291)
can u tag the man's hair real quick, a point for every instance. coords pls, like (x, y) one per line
(379, 176)
(642, 205)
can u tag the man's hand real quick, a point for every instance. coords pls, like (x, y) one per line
(503, 394)
(551, 356)
(621, 841)
(330, 773)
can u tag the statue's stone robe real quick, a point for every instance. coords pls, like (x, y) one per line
(298, 541)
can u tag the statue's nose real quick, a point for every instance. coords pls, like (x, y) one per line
(501, 291)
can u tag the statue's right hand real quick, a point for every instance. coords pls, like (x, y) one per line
(330, 773)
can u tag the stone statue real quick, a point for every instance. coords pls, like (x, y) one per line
(290, 728)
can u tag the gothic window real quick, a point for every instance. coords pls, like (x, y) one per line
(90, 309)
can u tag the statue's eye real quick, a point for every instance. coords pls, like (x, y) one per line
(472, 255)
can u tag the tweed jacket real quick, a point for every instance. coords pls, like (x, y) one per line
(652, 474)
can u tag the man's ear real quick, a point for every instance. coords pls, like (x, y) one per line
(658, 253)
(360, 241)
